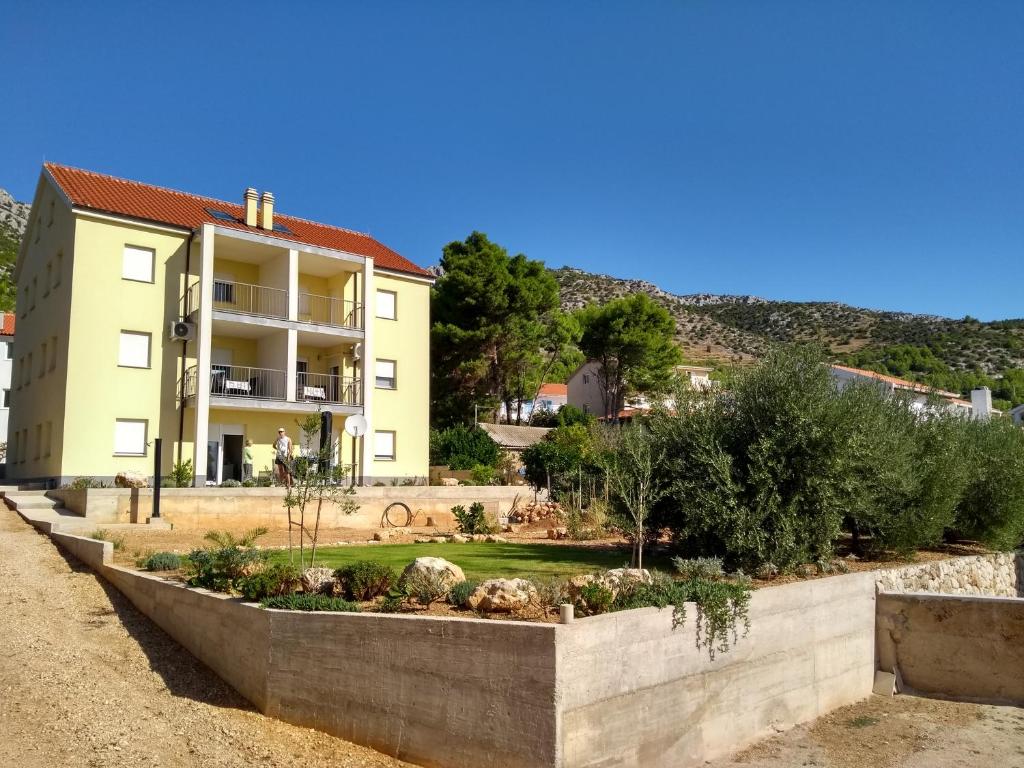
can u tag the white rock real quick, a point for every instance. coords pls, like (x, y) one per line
(502, 595)
(318, 580)
(131, 479)
(452, 574)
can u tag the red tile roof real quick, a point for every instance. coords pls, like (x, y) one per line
(913, 386)
(8, 326)
(554, 390)
(134, 199)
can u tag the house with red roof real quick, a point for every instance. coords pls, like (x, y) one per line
(920, 396)
(149, 313)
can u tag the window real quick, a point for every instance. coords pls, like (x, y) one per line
(53, 353)
(19, 372)
(24, 446)
(57, 269)
(12, 451)
(387, 305)
(130, 437)
(133, 351)
(49, 279)
(384, 446)
(48, 441)
(32, 293)
(24, 301)
(49, 222)
(42, 360)
(8, 350)
(586, 378)
(39, 440)
(224, 291)
(385, 373)
(137, 264)
(7, 398)
(28, 370)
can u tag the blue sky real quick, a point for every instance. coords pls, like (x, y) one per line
(867, 152)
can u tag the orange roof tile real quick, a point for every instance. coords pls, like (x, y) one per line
(8, 326)
(554, 390)
(134, 199)
(913, 386)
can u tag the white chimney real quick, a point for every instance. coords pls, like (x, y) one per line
(267, 204)
(250, 207)
(981, 403)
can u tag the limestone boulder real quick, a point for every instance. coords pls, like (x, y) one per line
(131, 479)
(502, 595)
(318, 581)
(448, 572)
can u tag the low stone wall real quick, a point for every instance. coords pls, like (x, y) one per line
(242, 508)
(996, 575)
(92, 552)
(957, 646)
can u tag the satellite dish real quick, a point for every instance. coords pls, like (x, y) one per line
(356, 425)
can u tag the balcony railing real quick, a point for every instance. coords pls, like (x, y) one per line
(240, 381)
(327, 310)
(249, 299)
(327, 388)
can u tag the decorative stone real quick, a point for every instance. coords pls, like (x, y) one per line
(131, 479)
(318, 581)
(458, 538)
(450, 572)
(502, 595)
(449, 482)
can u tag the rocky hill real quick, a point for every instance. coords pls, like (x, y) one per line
(13, 215)
(740, 328)
(13, 220)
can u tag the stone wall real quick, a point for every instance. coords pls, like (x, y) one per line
(953, 645)
(996, 575)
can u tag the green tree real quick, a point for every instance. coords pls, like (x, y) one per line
(493, 315)
(631, 339)
(9, 244)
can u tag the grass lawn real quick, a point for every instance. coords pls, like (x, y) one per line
(480, 560)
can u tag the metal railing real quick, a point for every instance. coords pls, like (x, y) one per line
(327, 310)
(229, 296)
(245, 382)
(190, 301)
(327, 388)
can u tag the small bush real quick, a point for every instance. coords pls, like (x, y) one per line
(182, 474)
(426, 586)
(231, 483)
(117, 539)
(279, 579)
(473, 520)
(699, 567)
(303, 602)
(249, 483)
(459, 593)
(162, 561)
(594, 599)
(366, 579)
(222, 566)
(481, 474)
(265, 480)
(393, 602)
(81, 483)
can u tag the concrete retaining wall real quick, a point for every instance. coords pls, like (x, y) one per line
(635, 692)
(242, 508)
(92, 552)
(959, 646)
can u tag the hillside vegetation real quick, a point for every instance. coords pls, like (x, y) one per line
(947, 353)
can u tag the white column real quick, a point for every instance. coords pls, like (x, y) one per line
(292, 364)
(293, 284)
(203, 343)
(366, 367)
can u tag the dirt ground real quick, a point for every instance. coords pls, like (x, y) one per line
(86, 680)
(899, 732)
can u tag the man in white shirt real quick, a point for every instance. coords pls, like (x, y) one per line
(283, 450)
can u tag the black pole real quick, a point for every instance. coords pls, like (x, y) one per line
(156, 477)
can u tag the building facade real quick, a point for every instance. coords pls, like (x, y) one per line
(585, 390)
(144, 312)
(6, 356)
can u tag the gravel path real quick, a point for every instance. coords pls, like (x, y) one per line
(86, 680)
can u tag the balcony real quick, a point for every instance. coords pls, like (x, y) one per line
(239, 383)
(328, 388)
(328, 310)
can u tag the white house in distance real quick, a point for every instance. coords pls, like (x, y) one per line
(6, 363)
(550, 399)
(978, 407)
(584, 388)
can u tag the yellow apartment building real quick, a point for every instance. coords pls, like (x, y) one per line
(145, 312)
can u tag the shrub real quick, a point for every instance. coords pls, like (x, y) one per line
(303, 602)
(81, 483)
(221, 566)
(278, 579)
(991, 507)
(182, 473)
(393, 602)
(231, 483)
(699, 567)
(366, 579)
(265, 479)
(461, 447)
(426, 586)
(249, 483)
(473, 520)
(459, 593)
(594, 599)
(117, 539)
(162, 561)
(561, 460)
(481, 474)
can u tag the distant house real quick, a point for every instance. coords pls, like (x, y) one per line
(585, 390)
(512, 438)
(921, 395)
(550, 399)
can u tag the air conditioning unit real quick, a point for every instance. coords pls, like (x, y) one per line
(182, 330)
